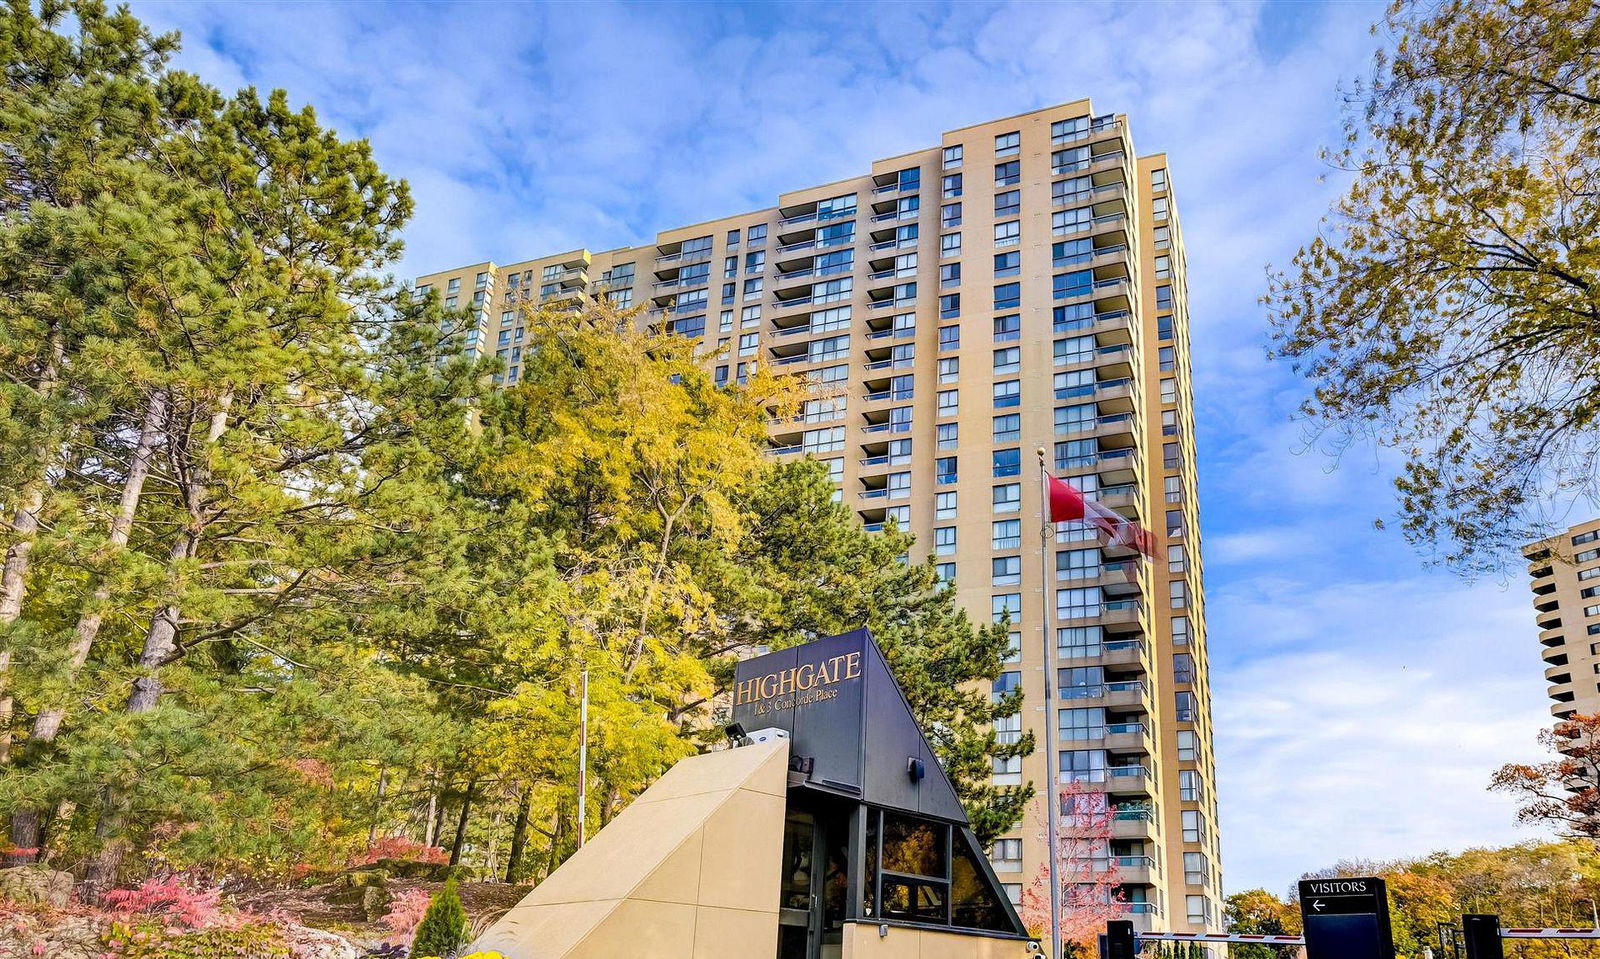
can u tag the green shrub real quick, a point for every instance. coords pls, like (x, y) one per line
(444, 925)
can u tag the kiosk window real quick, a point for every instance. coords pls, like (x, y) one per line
(929, 874)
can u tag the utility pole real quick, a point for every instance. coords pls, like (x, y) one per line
(583, 761)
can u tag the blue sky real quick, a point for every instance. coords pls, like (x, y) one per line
(1361, 699)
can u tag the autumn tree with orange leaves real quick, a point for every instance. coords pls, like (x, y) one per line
(1090, 882)
(1564, 791)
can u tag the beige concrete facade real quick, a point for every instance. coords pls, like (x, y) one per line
(1565, 578)
(689, 870)
(967, 311)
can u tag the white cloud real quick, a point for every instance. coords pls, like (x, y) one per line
(1363, 720)
(1360, 703)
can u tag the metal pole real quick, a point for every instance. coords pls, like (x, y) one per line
(1052, 795)
(583, 761)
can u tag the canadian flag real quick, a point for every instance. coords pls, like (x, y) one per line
(1067, 502)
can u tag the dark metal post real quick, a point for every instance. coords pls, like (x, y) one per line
(1482, 936)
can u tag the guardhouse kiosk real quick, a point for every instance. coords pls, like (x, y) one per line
(828, 831)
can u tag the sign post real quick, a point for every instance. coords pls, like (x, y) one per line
(1346, 918)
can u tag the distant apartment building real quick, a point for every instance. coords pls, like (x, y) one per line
(1021, 284)
(1565, 573)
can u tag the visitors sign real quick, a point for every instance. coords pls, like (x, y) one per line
(1346, 918)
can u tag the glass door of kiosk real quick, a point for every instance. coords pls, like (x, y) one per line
(811, 901)
(798, 932)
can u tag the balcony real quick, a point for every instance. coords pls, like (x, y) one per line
(1127, 694)
(1122, 615)
(1553, 637)
(1126, 653)
(1124, 499)
(1118, 466)
(1129, 738)
(1116, 430)
(1131, 781)
(1549, 620)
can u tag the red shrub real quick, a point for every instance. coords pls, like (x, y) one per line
(168, 899)
(399, 847)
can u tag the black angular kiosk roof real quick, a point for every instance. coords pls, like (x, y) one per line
(851, 721)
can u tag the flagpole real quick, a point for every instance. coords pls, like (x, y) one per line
(1052, 796)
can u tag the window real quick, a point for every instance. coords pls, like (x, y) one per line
(1008, 729)
(949, 403)
(1078, 602)
(1008, 498)
(1004, 606)
(1008, 144)
(950, 245)
(1588, 537)
(1189, 787)
(948, 435)
(1074, 419)
(1066, 131)
(830, 440)
(1073, 350)
(1182, 668)
(1170, 457)
(944, 572)
(1169, 391)
(1008, 360)
(1177, 559)
(1006, 534)
(1008, 233)
(1175, 523)
(1007, 428)
(450, 302)
(1198, 909)
(756, 234)
(944, 540)
(1072, 190)
(944, 505)
(1163, 237)
(952, 157)
(1069, 160)
(1008, 203)
(902, 387)
(1193, 829)
(1158, 208)
(1008, 462)
(1070, 252)
(949, 306)
(949, 369)
(730, 267)
(1158, 180)
(1077, 564)
(949, 275)
(1180, 630)
(1007, 264)
(1007, 328)
(755, 262)
(899, 485)
(1163, 267)
(1082, 722)
(839, 261)
(899, 452)
(752, 288)
(1080, 682)
(483, 278)
(1076, 283)
(1006, 570)
(950, 215)
(1083, 765)
(1164, 297)
(1008, 393)
(1014, 654)
(749, 344)
(945, 471)
(1188, 745)
(1064, 222)
(949, 338)
(1186, 707)
(1006, 854)
(1007, 173)
(951, 185)
(1163, 327)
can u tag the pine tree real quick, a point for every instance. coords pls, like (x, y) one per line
(444, 926)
